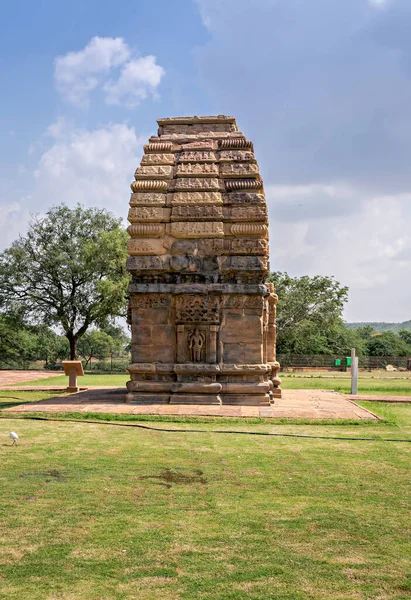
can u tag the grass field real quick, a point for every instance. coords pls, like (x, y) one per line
(367, 385)
(101, 512)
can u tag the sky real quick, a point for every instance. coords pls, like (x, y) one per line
(322, 88)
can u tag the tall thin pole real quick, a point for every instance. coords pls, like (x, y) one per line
(354, 373)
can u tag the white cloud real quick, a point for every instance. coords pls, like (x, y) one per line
(92, 167)
(378, 2)
(78, 74)
(138, 79)
(11, 216)
(363, 240)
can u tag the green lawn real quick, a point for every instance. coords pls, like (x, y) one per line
(378, 387)
(101, 512)
(388, 386)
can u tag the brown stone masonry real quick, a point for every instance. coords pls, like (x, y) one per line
(202, 317)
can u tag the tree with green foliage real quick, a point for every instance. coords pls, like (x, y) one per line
(68, 271)
(309, 308)
(18, 343)
(405, 336)
(387, 344)
(365, 332)
(94, 344)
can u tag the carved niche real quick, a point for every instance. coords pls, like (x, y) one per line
(198, 309)
(198, 320)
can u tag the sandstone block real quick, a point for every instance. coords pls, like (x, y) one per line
(158, 159)
(196, 184)
(197, 170)
(154, 172)
(148, 199)
(148, 214)
(197, 230)
(199, 156)
(149, 230)
(237, 156)
(246, 169)
(146, 247)
(235, 198)
(184, 198)
(151, 185)
(196, 213)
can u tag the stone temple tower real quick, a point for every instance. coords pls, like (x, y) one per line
(202, 316)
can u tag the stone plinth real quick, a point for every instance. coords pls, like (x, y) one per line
(202, 316)
(74, 369)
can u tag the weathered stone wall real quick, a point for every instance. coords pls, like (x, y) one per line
(203, 320)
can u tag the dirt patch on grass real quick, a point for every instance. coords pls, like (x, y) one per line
(52, 474)
(168, 476)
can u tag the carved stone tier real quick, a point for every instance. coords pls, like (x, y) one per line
(201, 314)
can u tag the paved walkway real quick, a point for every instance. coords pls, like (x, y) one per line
(16, 377)
(296, 404)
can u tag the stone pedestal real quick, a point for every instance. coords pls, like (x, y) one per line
(202, 316)
(73, 368)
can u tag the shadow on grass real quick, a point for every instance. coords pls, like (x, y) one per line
(4, 405)
(108, 417)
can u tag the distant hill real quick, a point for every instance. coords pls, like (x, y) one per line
(395, 327)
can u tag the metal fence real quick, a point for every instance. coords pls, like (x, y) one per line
(328, 361)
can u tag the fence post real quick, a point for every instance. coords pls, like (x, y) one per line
(354, 373)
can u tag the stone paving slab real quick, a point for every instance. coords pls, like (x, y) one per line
(295, 404)
(393, 399)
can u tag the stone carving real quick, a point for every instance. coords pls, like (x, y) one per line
(146, 247)
(249, 229)
(248, 246)
(184, 198)
(150, 301)
(144, 263)
(151, 230)
(245, 263)
(243, 301)
(200, 145)
(158, 147)
(237, 155)
(149, 185)
(148, 213)
(194, 213)
(196, 345)
(237, 143)
(244, 198)
(154, 172)
(148, 199)
(158, 159)
(195, 129)
(211, 247)
(197, 156)
(202, 317)
(196, 184)
(243, 184)
(197, 230)
(197, 309)
(249, 213)
(238, 169)
(199, 169)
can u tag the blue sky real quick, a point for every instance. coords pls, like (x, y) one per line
(322, 87)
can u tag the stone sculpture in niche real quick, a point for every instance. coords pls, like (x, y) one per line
(202, 316)
(196, 344)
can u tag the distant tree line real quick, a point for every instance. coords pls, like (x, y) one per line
(22, 345)
(310, 321)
